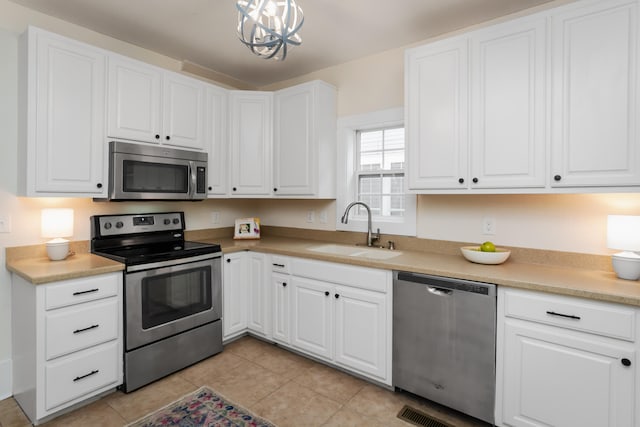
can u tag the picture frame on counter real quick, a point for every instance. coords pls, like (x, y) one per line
(247, 228)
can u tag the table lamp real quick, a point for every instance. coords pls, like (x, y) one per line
(57, 223)
(623, 232)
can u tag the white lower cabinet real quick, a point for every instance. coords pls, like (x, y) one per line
(361, 330)
(245, 298)
(259, 296)
(312, 320)
(342, 314)
(234, 295)
(67, 342)
(281, 299)
(565, 361)
(280, 291)
(337, 313)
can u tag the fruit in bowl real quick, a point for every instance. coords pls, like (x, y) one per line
(487, 247)
(487, 253)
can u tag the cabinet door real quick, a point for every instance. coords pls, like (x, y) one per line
(134, 109)
(361, 330)
(259, 296)
(280, 287)
(436, 94)
(556, 378)
(234, 295)
(508, 69)
(66, 103)
(251, 117)
(312, 320)
(294, 169)
(218, 143)
(595, 98)
(183, 111)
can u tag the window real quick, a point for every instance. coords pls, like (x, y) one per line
(380, 171)
(371, 162)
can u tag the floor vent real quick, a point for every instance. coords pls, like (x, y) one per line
(419, 418)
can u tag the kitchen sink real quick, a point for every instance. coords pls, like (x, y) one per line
(356, 251)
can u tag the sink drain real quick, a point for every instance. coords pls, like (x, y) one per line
(419, 418)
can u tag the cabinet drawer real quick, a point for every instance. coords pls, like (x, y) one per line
(361, 277)
(80, 374)
(280, 264)
(600, 318)
(78, 327)
(80, 290)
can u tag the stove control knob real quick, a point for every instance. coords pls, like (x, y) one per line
(176, 220)
(107, 225)
(167, 221)
(119, 224)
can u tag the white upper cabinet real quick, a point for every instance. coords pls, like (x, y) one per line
(218, 145)
(547, 103)
(595, 95)
(184, 111)
(251, 142)
(62, 117)
(304, 145)
(507, 110)
(134, 108)
(436, 97)
(486, 134)
(149, 104)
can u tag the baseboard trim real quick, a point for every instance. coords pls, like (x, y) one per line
(6, 379)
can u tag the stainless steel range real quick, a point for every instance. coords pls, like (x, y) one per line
(172, 293)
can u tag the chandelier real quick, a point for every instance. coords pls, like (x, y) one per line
(268, 27)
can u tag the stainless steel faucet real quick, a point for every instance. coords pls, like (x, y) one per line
(371, 236)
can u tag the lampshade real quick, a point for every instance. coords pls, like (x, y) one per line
(623, 232)
(269, 27)
(57, 223)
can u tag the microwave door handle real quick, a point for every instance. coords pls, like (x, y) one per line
(192, 180)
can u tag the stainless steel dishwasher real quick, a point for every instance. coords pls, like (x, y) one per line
(444, 341)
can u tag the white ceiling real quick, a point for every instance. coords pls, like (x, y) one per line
(335, 31)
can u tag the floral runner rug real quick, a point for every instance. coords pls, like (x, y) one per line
(202, 408)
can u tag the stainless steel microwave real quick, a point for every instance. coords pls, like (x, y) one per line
(147, 172)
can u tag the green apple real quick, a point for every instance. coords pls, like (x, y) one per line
(487, 247)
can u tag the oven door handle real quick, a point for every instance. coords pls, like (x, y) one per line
(172, 262)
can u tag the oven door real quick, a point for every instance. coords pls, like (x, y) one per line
(164, 301)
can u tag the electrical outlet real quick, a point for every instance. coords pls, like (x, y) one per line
(5, 223)
(323, 217)
(311, 216)
(215, 217)
(488, 225)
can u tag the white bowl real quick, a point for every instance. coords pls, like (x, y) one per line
(57, 251)
(474, 254)
(626, 268)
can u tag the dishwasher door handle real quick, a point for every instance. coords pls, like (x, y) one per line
(439, 291)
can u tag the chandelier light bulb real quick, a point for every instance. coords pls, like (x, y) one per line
(269, 27)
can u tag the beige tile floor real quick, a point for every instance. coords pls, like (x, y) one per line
(285, 388)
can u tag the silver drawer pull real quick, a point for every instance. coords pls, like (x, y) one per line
(86, 292)
(86, 375)
(568, 316)
(77, 331)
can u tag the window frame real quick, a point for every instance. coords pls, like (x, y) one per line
(347, 174)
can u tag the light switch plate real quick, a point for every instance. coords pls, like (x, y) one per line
(311, 216)
(5, 223)
(215, 217)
